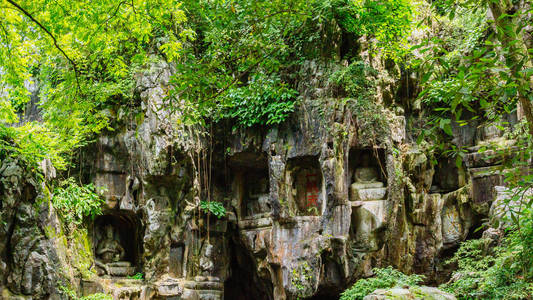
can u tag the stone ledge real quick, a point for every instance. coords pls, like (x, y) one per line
(486, 171)
(298, 220)
(169, 288)
(203, 285)
(255, 223)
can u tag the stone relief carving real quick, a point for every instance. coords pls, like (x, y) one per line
(257, 198)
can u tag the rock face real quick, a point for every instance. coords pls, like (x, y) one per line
(29, 257)
(310, 206)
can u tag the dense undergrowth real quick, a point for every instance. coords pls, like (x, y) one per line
(486, 269)
(502, 272)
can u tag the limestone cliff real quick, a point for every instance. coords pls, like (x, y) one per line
(312, 205)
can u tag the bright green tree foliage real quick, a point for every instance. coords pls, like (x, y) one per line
(235, 59)
(242, 64)
(84, 55)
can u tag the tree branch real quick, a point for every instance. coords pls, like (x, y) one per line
(56, 45)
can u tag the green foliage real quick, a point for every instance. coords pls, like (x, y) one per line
(356, 81)
(72, 294)
(263, 101)
(83, 56)
(243, 61)
(464, 75)
(389, 22)
(241, 49)
(137, 276)
(301, 277)
(33, 142)
(74, 202)
(505, 272)
(213, 207)
(234, 59)
(383, 279)
(452, 61)
(97, 296)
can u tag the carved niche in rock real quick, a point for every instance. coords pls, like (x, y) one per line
(367, 182)
(489, 132)
(306, 185)
(251, 182)
(256, 197)
(116, 241)
(176, 259)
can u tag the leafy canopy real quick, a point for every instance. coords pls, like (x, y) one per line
(82, 55)
(243, 63)
(234, 59)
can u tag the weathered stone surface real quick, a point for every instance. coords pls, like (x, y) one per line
(33, 260)
(368, 217)
(367, 194)
(483, 182)
(169, 288)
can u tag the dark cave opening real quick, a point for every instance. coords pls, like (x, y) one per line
(374, 158)
(126, 229)
(243, 282)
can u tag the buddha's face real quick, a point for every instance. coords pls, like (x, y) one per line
(109, 232)
(365, 159)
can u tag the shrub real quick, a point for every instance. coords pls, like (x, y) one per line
(73, 202)
(356, 81)
(504, 272)
(263, 101)
(383, 279)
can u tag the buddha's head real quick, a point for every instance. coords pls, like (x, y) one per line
(365, 160)
(108, 231)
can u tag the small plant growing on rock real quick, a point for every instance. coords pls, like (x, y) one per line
(301, 277)
(97, 296)
(138, 276)
(214, 207)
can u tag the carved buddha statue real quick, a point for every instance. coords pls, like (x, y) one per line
(365, 173)
(206, 260)
(207, 264)
(109, 250)
(258, 198)
(366, 184)
(110, 255)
